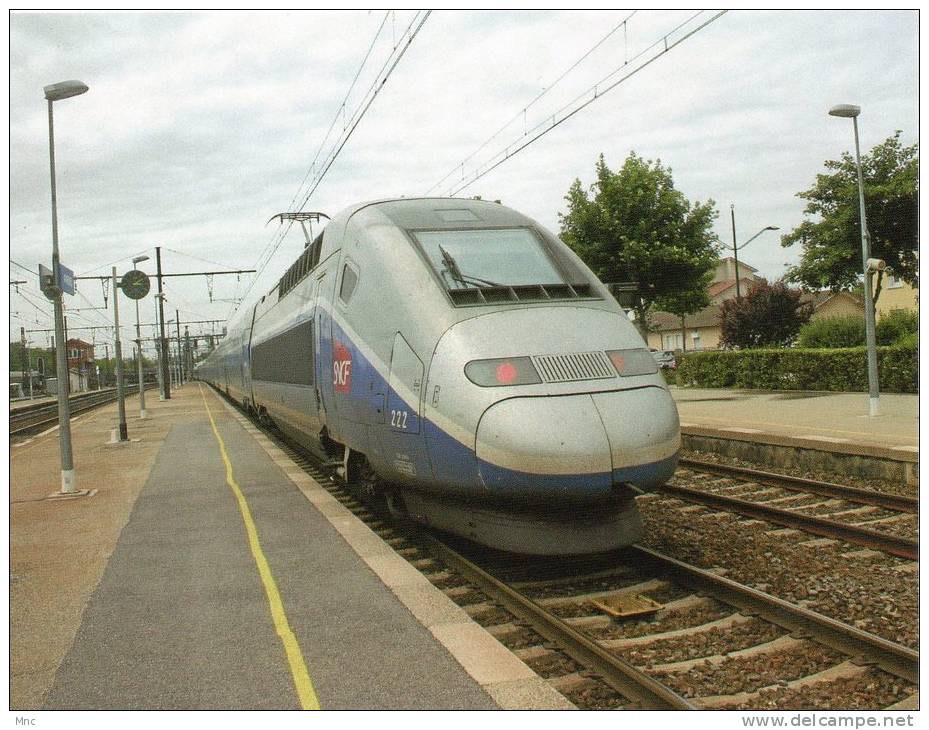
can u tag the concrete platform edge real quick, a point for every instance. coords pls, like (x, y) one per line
(757, 436)
(505, 678)
(775, 449)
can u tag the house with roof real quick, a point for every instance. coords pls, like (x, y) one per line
(896, 294)
(702, 331)
(81, 364)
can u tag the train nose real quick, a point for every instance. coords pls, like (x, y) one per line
(578, 445)
(644, 432)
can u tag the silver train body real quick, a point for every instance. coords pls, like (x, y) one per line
(471, 360)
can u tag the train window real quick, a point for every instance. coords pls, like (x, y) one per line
(349, 280)
(287, 357)
(474, 259)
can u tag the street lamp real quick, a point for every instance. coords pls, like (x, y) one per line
(138, 334)
(736, 249)
(852, 111)
(53, 93)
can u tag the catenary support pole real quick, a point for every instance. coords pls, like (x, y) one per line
(120, 391)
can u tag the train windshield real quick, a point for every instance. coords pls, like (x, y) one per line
(488, 258)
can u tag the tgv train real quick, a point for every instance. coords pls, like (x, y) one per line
(465, 365)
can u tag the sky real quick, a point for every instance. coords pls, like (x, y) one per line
(198, 127)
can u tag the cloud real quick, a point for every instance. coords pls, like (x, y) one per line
(199, 126)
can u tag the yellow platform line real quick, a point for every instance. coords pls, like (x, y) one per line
(301, 676)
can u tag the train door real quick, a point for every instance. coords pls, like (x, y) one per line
(247, 359)
(322, 346)
(402, 433)
(404, 398)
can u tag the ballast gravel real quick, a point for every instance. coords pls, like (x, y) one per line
(873, 690)
(751, 673)
(707, 643)
(872, 591)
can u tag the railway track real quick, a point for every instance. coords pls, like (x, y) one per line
(805, 486)
(708, 641)
(29, 419)
(874, 520)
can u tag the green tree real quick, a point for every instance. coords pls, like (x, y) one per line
(35, 353)
(634, 226)
(770, 315)
(832, 246)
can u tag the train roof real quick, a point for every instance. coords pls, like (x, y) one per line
(439, 213)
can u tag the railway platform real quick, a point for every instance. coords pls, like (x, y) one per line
(25, 403)
(207, 571)
(825, 430)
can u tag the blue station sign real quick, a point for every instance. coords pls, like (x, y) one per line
(66, 279)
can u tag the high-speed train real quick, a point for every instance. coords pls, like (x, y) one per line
(463, 364)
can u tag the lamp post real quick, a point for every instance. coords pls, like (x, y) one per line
(138, 334)
(736, 249)
(852, 111)
(53, 93)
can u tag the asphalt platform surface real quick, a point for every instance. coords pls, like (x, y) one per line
(180, 617)
(831, 418)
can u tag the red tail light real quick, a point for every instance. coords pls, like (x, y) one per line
(502, 371)
(633, 362)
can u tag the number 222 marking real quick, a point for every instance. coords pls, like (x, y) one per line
(398, 418)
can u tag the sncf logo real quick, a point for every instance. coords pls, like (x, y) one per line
(341, 368)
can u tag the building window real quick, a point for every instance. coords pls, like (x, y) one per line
(695, 338)
(674, 341)
(893, 282)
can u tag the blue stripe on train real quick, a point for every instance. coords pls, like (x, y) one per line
(446, 462)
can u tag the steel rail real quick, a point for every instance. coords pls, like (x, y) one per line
(865, 647)
(21, 423)
(799, 484)
(886, 542)
(24, 408)
(620, 675)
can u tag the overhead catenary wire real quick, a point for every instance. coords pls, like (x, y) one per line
(546, 90)
(198, 258)
(276, 239)
(341, 108)
(113, 263)
(373, 91)
(16, 263)
(397, 53)
(660, 47)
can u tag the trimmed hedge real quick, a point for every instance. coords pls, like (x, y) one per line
(849, 330)
(844, 331)
(840, 369)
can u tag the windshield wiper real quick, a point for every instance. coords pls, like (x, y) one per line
(462, 278)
